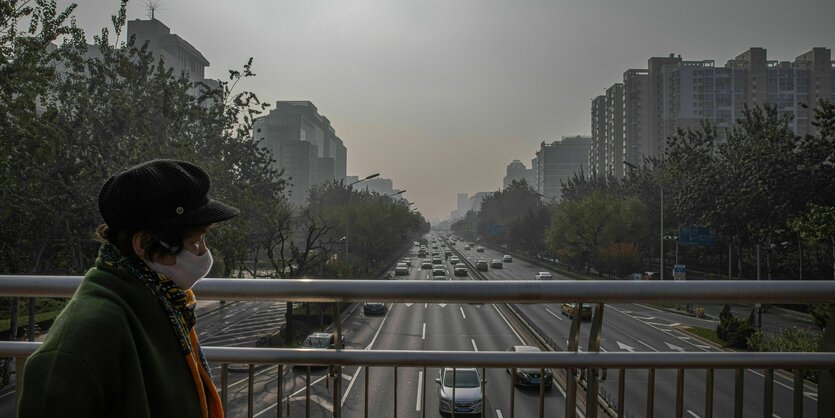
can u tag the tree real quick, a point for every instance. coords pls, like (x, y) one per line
(598, 231)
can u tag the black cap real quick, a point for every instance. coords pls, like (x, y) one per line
(160, 193)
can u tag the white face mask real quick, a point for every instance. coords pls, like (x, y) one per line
(187, 270)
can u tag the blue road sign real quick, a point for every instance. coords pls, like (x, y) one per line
(696, 235)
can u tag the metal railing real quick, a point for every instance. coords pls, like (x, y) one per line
(510, 292)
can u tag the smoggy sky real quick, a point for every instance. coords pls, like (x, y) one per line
(440, 96)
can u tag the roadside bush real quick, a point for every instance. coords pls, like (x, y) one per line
(790, 340)
(733, 330)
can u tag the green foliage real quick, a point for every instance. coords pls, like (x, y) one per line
(789, 340)
(599, 231)
(822, 314)
(733, 330)
(112, 107)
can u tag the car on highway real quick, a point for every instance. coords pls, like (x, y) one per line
(454, 260)
(570, 308)
(543, 275)
(374, 308)
(467, 384)
(425, 265)
(460, 269)
(438, 273)
(481, 265)
(447, 253)
(437, 260)
(319, 341)
(479, 249)
(401, 269)
(406, 260)
(496, 264)
(507, 259)
(422, 253)
(467, 246)
(533, 376)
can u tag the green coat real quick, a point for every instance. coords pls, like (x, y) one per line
(111, 353)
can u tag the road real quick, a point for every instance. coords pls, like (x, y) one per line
(420, 326)
(642, 328)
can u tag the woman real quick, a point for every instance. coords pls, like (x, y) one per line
(125, 345)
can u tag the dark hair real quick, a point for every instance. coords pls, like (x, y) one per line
(161, 241)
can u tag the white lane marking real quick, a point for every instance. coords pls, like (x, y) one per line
(790, 388)
(462, 312)
(646, 345)
(474, 346)
(423, 333)
(508, 325)
(347, 377)
(693, 413)
(649, 307)
(674, 347)
(316, 398)
(555, 315)
(775, 415)
(644, 318)
(499, 413)
(291, 396)
(420, 388)
(625, 347)
(409, 304)
(425, 305)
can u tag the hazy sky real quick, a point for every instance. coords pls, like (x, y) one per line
(440, 96)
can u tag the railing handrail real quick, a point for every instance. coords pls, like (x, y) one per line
(494, 359)
(514, 291)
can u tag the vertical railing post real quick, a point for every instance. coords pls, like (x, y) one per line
(650, 393)
(573, 346)
(250, 389)
(337, 342)
(621, 392)
(679, 393)
(768, 394)
(279, 390)
(593, 347)
(709, 393)
(365, 409)
(826, 377)
(739, 387)
(512, 392)
(798, 392)
(224, 388)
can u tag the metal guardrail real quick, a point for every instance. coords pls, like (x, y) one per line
(308, 290)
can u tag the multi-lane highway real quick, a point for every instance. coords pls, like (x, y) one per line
(638, 327)
(413, 392)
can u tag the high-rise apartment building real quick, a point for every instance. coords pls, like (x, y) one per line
(558, 161)
(673, 94)
(304, 144)
(614, 131)
(597, 151)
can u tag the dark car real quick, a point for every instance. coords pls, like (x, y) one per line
(319, 341)
(481, 265)
(532, 376)
(496, 264)
(479, 250)
(374, 308)
(460, 269)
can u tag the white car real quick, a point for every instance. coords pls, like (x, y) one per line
(543, 275)
(468, 394)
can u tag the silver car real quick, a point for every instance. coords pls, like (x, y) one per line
(468, 394)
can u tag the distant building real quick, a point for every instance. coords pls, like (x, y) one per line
(598, 149)
(517, 171)
(304, 144)
(175, 51)
(673, 94)
(558, 161)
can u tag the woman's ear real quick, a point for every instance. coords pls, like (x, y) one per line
(139, 238)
